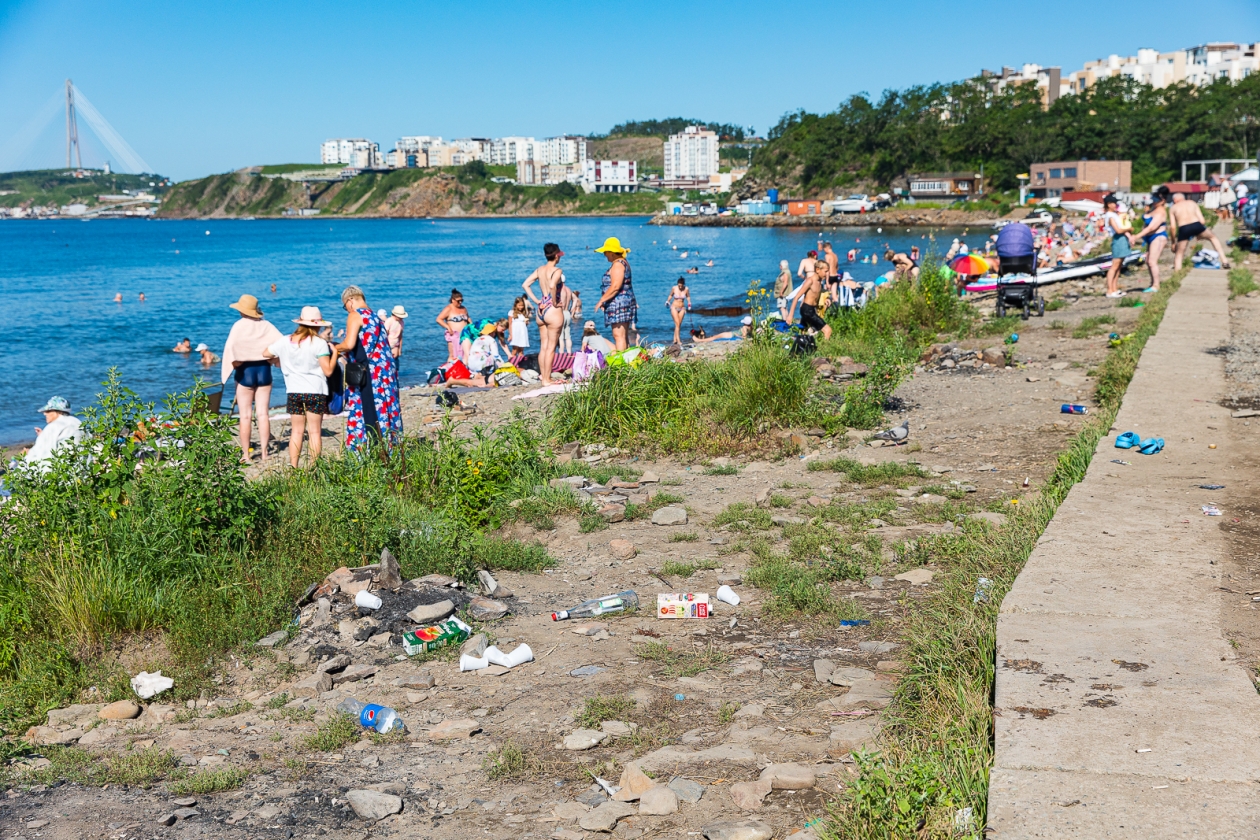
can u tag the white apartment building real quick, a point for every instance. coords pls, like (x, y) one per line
(1197, 66)
(560, 150)
(417, 144)
(474, 148)
(693, 154)
(506, 151)
(358, 153)
(618, 176)
(534, 173)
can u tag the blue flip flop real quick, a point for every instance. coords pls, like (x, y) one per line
(1151, 445)
(1128, 440)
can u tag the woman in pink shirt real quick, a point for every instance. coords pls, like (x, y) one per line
(394, 333)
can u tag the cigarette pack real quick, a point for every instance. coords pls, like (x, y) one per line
(422, 640)
(683, 605)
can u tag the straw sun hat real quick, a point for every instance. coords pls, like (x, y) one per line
(312, 317)
(247, 306)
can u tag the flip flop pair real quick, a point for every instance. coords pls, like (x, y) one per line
(1131, 440)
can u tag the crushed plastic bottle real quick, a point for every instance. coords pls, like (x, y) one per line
(371, 716)
(621, 602)
(983, 585)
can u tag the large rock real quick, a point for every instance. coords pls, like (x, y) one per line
(737, 830)
(846, 676)
(474, 645)
(995, 519)
(272, 639)
(570, 812)
(353, 674)
(47, 736)
(671, 515)
(449, 730)
(333, 663)
(917, 577)
(122, 710)
(788, 777)
(374, 805)
(622, 550)
(79, 714)
(313, 686)
(584, 739)
(877, 647)
(634, 782)
(747, 796)
(686, 789)
(427, 614)
(993, 356)
(486, 609)
(853, 735)
(390, 575)
(823, 669)
(606, 816)
(489, 586)
(658, 801)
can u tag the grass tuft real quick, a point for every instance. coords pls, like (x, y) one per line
(602, 707)
(337, 731)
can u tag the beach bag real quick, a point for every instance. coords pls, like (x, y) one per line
(803, 345)
(436, 376)
(586, 363)
(447, 399)
(336, 391)
(458, 370)
(507, 375)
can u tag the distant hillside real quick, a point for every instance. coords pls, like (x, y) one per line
(673, 125)
(648, 151)
(44, 187)
(401, 193)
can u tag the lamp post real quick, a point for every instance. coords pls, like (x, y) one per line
(1023, 188)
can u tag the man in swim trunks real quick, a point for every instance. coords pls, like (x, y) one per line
(833, 268)
(809, 293)
(1188, 219)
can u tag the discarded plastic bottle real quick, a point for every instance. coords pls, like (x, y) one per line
(1072, 408)
(621, 602)
(370, 715)
(983, 585)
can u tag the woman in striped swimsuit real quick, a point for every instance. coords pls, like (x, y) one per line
(550, 319)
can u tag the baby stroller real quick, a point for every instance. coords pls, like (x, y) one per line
(1019, 291)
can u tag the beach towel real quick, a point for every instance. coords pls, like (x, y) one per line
(586, 363)
(558, 388)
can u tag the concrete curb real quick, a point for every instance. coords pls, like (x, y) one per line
(1121, 710)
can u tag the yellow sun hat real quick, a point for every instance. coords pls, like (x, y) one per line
(613, 244)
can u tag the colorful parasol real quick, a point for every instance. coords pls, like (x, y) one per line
(969, 265)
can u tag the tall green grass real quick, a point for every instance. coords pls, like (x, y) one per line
(936, 746)
(700, 405)
(151, 526)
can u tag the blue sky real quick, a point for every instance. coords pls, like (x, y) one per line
(198, 88)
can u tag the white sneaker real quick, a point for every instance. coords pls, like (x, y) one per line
(1115, 294)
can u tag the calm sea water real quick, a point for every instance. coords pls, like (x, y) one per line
(63, 330)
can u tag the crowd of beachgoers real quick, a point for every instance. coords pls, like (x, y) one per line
(353, 371)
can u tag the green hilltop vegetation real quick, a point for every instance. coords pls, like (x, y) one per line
(673, 125)
(41, 187)
(965, 125)
(408, 193)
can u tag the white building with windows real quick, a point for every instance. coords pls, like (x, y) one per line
(691, 155)
(560, 150)
(418, 143)
(506, 151)
(357, 153)
(616, 176)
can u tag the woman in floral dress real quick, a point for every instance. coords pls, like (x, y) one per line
(617, 301)
(367, 342)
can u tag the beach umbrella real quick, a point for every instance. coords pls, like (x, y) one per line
(969, 264)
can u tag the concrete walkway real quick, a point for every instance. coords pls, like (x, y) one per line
(1121, 709)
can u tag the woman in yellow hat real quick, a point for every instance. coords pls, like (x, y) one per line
(617, 300)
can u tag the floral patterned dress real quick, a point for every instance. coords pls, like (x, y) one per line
(623, 308)
(373, 347)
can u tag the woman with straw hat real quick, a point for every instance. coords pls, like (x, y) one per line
(306, 361)
(373, 410)
(244, 359)
(617, 299)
